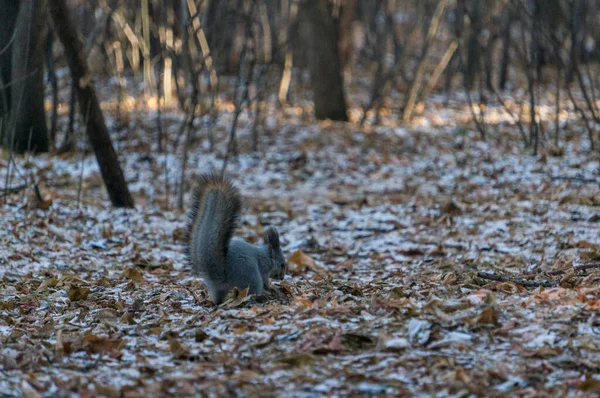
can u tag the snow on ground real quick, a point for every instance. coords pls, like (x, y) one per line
(100, 301)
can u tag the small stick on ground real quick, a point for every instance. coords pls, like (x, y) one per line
(587, 266)
(522, 282)
(12, 190)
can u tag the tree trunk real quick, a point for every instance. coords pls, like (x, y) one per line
(8, 17)
(91, 113)
(221, 27)
(473, 46)
(325, 68)
(504, 63)
(27, 130)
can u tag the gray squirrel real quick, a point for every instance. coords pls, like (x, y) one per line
(223, 262)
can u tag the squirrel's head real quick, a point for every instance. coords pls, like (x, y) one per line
(272, 242)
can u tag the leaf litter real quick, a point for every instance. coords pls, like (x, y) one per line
(388, 233)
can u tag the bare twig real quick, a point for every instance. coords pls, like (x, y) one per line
(245, 76)
(53, 84)
(419, 74)
(13, 190)
(522, 282)
(587, 266)
(80, 184)
(440, 68)
(580, 179)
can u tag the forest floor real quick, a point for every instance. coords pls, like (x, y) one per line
(393, 235)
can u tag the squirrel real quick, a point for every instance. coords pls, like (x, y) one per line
(222, 262)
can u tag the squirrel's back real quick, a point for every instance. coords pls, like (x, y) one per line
(213, 219)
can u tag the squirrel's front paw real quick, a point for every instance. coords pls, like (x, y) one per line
(267, 285)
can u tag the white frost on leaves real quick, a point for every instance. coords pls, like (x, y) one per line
(374, 202)
(543, 339)
(418, 330)
(397, 342)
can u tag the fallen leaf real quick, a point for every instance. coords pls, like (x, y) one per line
(346, 266)
(450, 208)
(357, 341)
(76, 293)
(236, 297)
(127, 319)
(51, 282)
(486, 317)
(299, 360)
(301, 261)
(7, 305)
(133, 274)
(98, 344)
(178, 350)
(411, 252)
(200, 336)
(584, 244)
(43, 204)
(589, 384)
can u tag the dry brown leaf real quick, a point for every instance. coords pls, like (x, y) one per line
(179, 234)
(302, 303)
(487, 317)
(301, 261)
(127, 319)
(43, 204)
(97, 344)
(106, 390)
(133, 274)
(107, 231)
(76, 293)
(346, 266)
(178, 350)
(336, 344)
(78, 239)
(200, 336)
(239, 330)
(411, 252)
(589, 384)
(584, 244)
(591, 256)
(450, 208)
(299, 360)
(52, 282)
(236, 297)
(59, 346)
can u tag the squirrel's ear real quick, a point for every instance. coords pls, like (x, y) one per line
(272, 239)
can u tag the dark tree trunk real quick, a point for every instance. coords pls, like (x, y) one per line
(274, 16)
(158, 19)
(27, 130)
(325, 67)
(504, 63)
(52, 78)
(576, 26)
(473, 46)
(221, 24)
(91, 113)
(8, 17)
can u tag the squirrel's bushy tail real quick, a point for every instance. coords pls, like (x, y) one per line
(213, 219)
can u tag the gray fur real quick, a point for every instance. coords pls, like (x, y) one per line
(223, 262)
